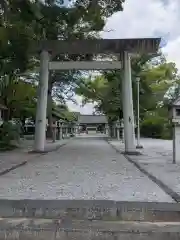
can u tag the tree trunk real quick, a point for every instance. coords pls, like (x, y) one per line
(23, 121)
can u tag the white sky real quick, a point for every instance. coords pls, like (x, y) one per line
(144, 18)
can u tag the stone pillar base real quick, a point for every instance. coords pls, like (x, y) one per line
(135, 153)
(139, 147)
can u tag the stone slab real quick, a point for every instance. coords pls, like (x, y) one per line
(95, 230)
(90, 209)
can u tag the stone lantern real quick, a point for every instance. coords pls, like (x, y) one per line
(54, 129)
(65, 126)
(114, 127)
(175, 116)
(106, 129)
(60, 126)
(72, 129)
(118, 125)
(77, 129)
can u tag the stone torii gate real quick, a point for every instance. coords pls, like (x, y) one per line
(124, 48)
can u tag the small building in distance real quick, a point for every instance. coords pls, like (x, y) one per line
(92, 122)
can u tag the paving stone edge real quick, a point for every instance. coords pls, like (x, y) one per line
(174, 195)
(48, 150)
(7, 170)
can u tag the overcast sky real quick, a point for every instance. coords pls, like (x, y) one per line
(145, 18)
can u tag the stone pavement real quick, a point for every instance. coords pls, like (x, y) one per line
(12, 159)
(156, 160)
(85, 168)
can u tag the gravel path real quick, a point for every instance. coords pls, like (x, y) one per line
(157, 160)
(85, 168)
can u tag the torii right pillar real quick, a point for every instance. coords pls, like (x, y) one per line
(128, 113)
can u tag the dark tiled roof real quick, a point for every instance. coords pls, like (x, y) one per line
(77, 113)
(83, 119)
(176, 102)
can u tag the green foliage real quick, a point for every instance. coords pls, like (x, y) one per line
(152, 127)
(19, 97)
(157, 76)
(80, 21)
(9, 135)
(61, 111)
(156, 127)
(17, 31)
(104, 91)
(26, 20)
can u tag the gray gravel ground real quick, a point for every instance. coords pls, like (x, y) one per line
(86, 168)
(157, 159)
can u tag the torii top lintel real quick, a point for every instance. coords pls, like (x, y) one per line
(99, 46)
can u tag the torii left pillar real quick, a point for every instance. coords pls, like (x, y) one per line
(40, 127)
(128, 115)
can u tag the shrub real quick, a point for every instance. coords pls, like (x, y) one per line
(167, 132)
(9, 135)
(155, 127)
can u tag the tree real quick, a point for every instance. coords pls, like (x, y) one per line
(156, 78)
(161, 79)
(104, 92)
(62, 111)
(81, 21)
(17, 31)
(19, 97)
(24, 21)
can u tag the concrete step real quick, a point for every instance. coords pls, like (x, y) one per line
(88, 219)
(95, 230)
(91, 210)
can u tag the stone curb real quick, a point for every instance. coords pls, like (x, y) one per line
(7, 170)
(90, 210)
(49, 150)
(13, 167)
(174, 195)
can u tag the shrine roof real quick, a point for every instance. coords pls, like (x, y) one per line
(92, 119)
(176, 103)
